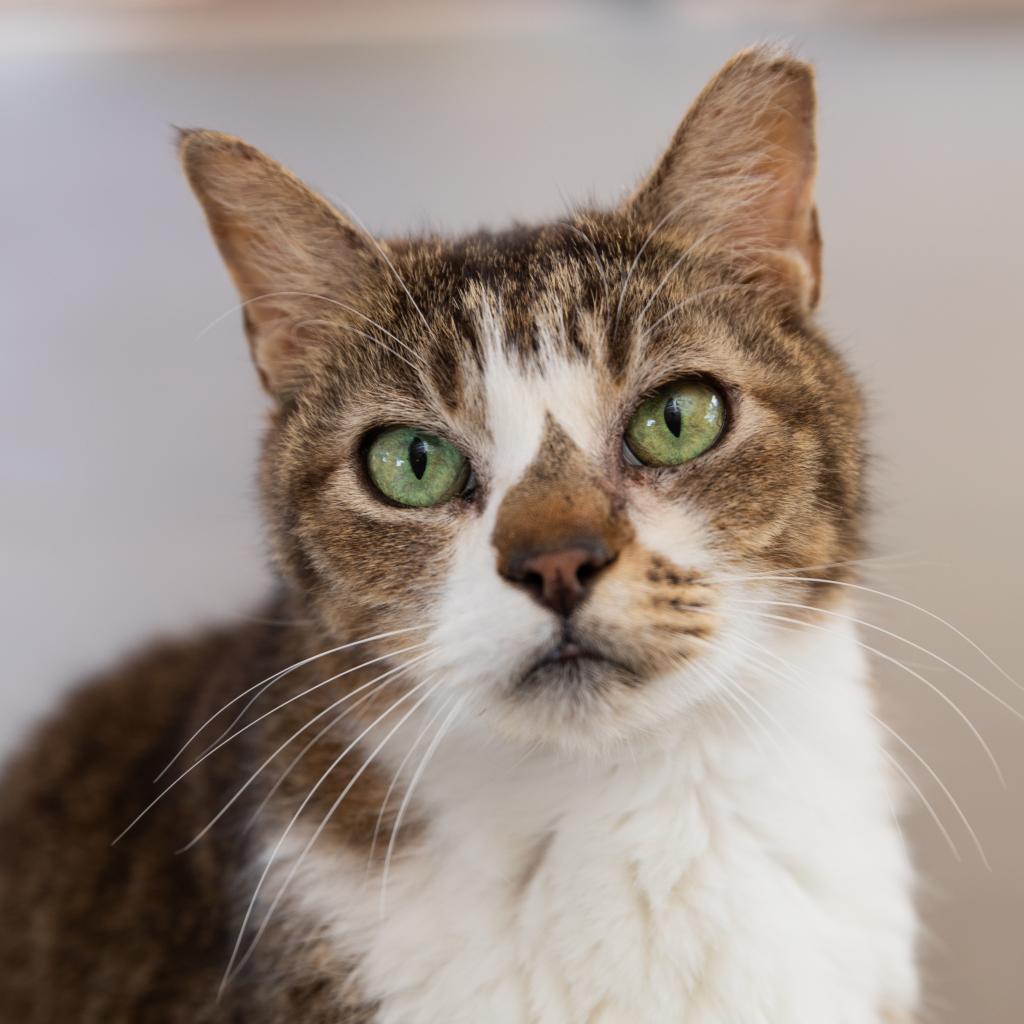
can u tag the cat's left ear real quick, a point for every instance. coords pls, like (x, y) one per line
(289, 251)
(740, 171)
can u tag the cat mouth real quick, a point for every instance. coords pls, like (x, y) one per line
(571, 661)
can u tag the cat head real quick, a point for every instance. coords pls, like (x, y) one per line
(560, 457)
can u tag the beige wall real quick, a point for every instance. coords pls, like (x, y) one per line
(128, 435)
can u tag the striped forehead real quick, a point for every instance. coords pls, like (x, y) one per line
(524, 394)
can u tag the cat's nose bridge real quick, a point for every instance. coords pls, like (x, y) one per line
(561, 506)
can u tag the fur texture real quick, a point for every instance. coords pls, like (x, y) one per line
(462, 802)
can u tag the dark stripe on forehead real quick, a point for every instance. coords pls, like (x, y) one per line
(447, 375)
(529, 272)
(576, 334)
(576, 266)
(620, 341)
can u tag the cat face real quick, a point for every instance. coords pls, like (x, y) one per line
(561, 458)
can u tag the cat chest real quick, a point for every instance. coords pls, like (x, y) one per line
(616, 922)
(551, 934)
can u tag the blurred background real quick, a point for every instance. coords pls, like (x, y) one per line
(130, 414)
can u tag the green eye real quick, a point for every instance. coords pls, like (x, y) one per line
(677, 424)
(415, 468)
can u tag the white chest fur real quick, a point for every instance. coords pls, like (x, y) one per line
(749, 872)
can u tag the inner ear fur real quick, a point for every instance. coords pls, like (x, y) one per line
(739, 171)
(288, 250)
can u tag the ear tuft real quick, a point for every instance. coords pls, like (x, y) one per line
(288, 250)
(740, 170)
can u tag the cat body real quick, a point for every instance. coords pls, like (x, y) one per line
(560, 715)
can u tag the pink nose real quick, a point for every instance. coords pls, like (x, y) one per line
(559, 579)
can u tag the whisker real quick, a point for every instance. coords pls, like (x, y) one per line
(895, 636)
(317, 322)
(384, 680)
(691, 299)
(647, 241)
(786, 663)
(742, 697)
(731, 684)
(384, 256)
(747, 695)
(282, 778)
(400, 817)
(398, 772)
(899, 600)
(899, 664)
(270, 680)
(256, 721)
(733, 703)
(773, 574)
(309, 295)
(945, 789)
(698, 580)
(525, 756)
(231, 967)
(895, 814)
(926, 802)
(256, 696)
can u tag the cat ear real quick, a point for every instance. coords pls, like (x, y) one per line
(740, 170)
(288, 250)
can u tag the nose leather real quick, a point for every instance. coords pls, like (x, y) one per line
(561, 578)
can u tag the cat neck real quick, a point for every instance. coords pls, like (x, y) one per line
(791, 738)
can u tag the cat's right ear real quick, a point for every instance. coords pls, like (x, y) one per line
(288, 250)
(740, 172)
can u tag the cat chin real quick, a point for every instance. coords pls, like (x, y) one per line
(591, 707)
(571, 670)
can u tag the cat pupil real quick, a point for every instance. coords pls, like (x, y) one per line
(418, 457)
(673, 416)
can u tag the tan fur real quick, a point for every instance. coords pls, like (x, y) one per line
(560, 499)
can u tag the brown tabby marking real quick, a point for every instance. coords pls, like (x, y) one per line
(560, 498)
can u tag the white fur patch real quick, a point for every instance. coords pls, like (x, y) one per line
(734, 874)
(485, 627)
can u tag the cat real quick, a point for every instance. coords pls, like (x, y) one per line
(557, 714)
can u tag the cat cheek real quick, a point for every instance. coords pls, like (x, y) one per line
(672, 528)
(657, 612)
(484, 628)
